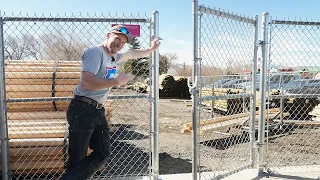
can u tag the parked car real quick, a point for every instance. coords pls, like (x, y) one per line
(242, 85)
(276, 81)
(309, 88)
(231, 84)
(295, 85)
(219, 83)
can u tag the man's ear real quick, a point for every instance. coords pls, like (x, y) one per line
(108, 35)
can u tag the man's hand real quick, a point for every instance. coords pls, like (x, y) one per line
(137, 53)
(123, 79)
(155, 43)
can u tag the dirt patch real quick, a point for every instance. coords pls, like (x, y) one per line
(219, 151)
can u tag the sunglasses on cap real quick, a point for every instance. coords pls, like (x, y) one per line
(124, 30)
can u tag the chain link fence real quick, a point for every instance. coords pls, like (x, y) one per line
(227, 108)
(42, 65)
(282, 89)
(292, 141)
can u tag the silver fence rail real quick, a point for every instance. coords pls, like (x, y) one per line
(40, 67)
(224, 115)
(291, 141)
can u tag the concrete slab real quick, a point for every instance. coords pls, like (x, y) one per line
(283, 173)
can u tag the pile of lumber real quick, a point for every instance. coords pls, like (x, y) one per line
(233, 106)
(38, 129)
(315, 113)
(301, 108)
(226, 106)
(37, 142)
(224, 122)
(139, 87)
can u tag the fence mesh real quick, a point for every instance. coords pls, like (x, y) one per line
(42, 68)
(292, 138)
(226, 44)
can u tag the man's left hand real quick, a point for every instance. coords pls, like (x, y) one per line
(155, 43)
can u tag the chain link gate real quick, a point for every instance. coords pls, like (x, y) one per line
(292, 138)
(225, 50)
(41, 64)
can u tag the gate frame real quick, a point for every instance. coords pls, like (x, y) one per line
(268, 22)
(194, 91)
(6, 173)
(153, 96)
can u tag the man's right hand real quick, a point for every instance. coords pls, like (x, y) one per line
(123, 79)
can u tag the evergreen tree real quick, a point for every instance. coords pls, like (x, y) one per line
(138, 67)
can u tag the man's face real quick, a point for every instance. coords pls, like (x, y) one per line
(116, 42)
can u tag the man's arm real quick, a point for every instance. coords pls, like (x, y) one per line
(90, 82)
(137, 53)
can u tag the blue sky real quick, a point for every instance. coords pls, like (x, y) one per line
(175, 15)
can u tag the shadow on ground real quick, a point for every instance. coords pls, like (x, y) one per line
(128, 159)
(275, 132)
(124, 132)
(225, 143)
(171, 165)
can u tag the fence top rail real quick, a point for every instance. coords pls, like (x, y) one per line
(66, 19)
(226, 14)
(305, 23)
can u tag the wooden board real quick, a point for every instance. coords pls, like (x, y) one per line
(34, 94)
(36, 116)
(31, 123)
(25, 81)
(56, 170)
(226, 120)
(45, 151)
(38, 105)
(26, 134)
(47, 129)
(301, 123)
(42, 75)
(36, 88)
(39, 158)
(36, 165)
(315, 111)
(38, 142)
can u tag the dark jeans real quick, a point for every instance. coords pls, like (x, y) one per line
(88, 128)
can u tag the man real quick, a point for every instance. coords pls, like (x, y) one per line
(86, 114)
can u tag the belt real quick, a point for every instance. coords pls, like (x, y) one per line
(90, 101)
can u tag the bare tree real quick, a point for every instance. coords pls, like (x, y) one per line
(25, 47)
(163, 64)
(33, 47)
(59, 46)
(171, 58)
(185, 70)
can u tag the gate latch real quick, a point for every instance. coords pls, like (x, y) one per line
(259, 43)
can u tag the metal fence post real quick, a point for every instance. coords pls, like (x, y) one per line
(194, 91)
(253, 92)
(155, 97)
(3, 116)
(263, 74)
